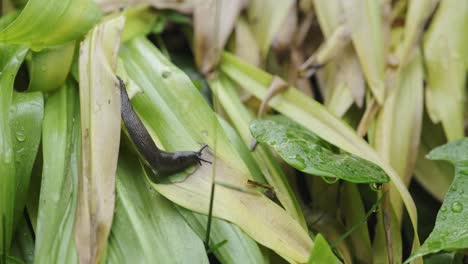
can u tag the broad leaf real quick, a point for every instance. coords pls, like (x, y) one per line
(450, 231)
(306, 152)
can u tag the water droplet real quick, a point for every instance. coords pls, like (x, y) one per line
(457, 207)
(330, 180)
(376, 186)
(166, 74)
(297, 162)
(8, 156)
(443, 217)
(204, 133)
(20, 136)
(461, 191)
(443, 208)
(453, 188)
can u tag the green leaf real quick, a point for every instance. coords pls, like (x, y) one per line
(55, 242)
(450, 230)
(49, 68)
(51, 22)
(148, 219)
(306, 152)
(27, 112)
(322, 253)
(11, 58)
(444, 258)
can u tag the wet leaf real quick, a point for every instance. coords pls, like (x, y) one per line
(450, 231)
(306, 152)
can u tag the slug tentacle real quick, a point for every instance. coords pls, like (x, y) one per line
(162, 162)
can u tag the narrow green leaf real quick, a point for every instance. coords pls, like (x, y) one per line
(27, 112)
(59, 186)
(54, 22)
(159, 233)
(11, 58)
(306, 152)
(322, 253)
(100, 133)
(450, 230)
(49, 68)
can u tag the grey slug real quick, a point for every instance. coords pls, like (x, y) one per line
(162, 162)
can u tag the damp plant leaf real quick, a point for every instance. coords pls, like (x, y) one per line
(306, 152)
(142, 215)
(55, 241)
(49, 68)
(27, 112)
(11, 57)
(184, 125)
(100, 127)
(322, 252)
(445, 53)
(45, 23)
(313, 116)
(450, 232)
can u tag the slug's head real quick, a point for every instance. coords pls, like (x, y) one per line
(187, 158)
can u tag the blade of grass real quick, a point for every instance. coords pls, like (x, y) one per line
(100, 127)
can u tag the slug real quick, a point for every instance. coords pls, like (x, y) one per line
(162, 162)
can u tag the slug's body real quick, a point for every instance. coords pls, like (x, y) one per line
(164, 163)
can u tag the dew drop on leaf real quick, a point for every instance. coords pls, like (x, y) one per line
(457, 207)
(20, 136)
(297, 162)
(376, 186)
(330, 180)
